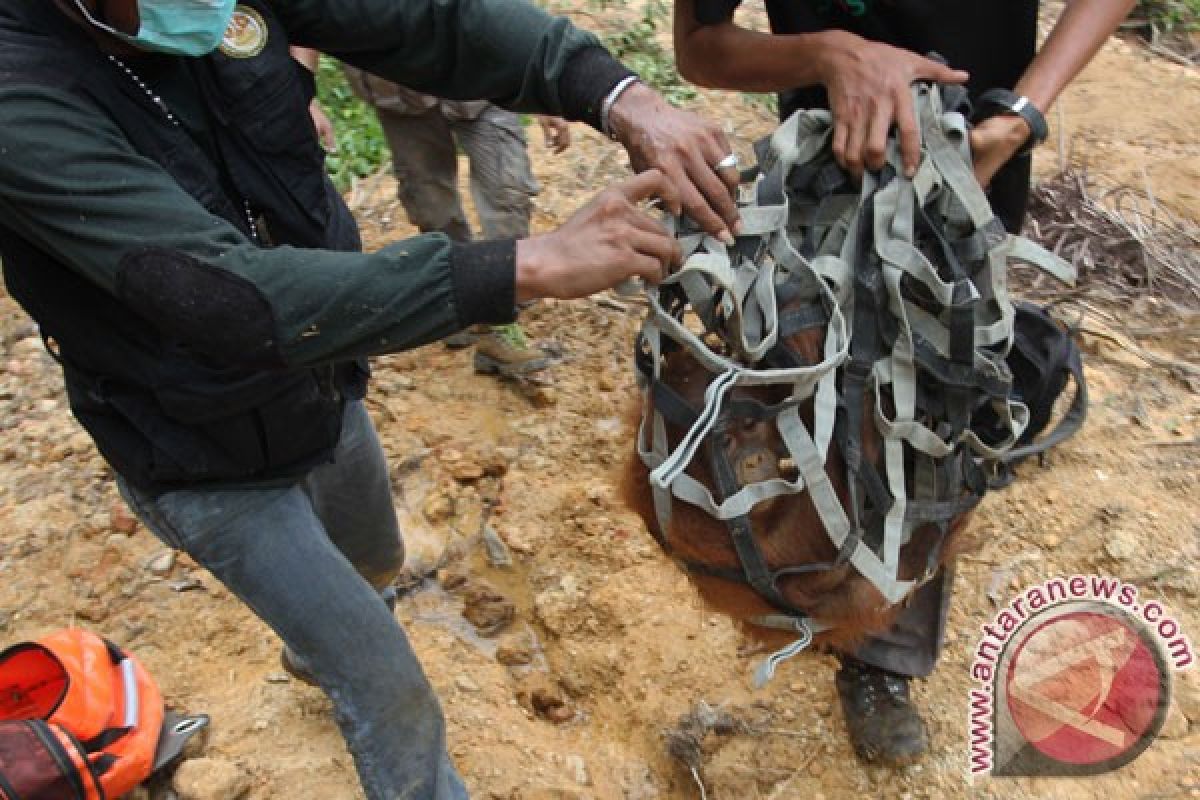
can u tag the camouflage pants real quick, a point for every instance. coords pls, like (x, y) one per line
(425, 160)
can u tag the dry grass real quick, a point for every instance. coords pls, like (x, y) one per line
(1123, 243)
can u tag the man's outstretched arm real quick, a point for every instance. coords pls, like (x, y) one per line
(517, 56)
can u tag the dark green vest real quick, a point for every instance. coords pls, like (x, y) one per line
(164, 415)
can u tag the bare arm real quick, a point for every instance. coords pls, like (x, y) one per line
(868, 82)
(325, 132)
(306, 56)
(1080, 31)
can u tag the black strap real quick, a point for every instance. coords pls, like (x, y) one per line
(756, 571)
(995, 101)
(1071, 422)
(104, 739)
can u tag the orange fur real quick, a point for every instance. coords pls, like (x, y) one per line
(787, 529)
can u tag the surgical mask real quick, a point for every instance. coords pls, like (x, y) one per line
(176, 27)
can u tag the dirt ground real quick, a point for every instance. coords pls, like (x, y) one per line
(608, 644)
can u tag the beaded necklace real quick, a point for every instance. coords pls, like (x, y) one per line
(174, 121)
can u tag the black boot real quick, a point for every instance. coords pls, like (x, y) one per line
(883, 724)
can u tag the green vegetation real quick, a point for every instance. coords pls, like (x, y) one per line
(361, 148)
(1169, 16)
(638, 47)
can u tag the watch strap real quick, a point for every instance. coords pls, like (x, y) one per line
(1009, 101)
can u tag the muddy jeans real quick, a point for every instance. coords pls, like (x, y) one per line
(425, 160)
(304, 558)
(914, 642)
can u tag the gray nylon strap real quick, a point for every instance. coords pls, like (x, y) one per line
(737, 293)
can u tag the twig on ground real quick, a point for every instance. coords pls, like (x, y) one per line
(1122, 241)
(779, 790)
(699, 783)
(1193, 442)
(1154, 359)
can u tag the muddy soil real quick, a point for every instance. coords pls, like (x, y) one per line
(562, 673)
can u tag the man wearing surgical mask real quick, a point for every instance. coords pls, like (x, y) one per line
(166, 220)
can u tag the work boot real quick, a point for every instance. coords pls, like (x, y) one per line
(506, 352)
(294, 665)
(882, 721)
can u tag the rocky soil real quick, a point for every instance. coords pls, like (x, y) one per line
(563, 672)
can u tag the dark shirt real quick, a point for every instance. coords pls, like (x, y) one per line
(994, 40)
(72, 184)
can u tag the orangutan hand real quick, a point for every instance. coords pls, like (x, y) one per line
(325, 132)
(994, 141)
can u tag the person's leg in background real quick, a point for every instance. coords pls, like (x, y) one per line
(502, 182)
(277, 549)
(873, 683)
(425, 163)
(503, 188)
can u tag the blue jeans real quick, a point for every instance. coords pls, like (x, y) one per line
(309, 560)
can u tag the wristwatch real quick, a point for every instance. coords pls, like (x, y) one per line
(1004, 101)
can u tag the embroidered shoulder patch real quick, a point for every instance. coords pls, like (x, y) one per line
(246, 35)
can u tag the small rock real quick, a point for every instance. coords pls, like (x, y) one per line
(438, 507)
(210, 779)
(495, 460)
(513, 654)
(543, 396)
(451, 579)
(121, 520)
(188, 584)
(549, 702)
(162, 564)
(466, 684)
(579, 770)
(1050, 541)
(278, 677)
(497, 551)
(466, 471)
(487, 609)
(1120, 545)
(93, 609)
